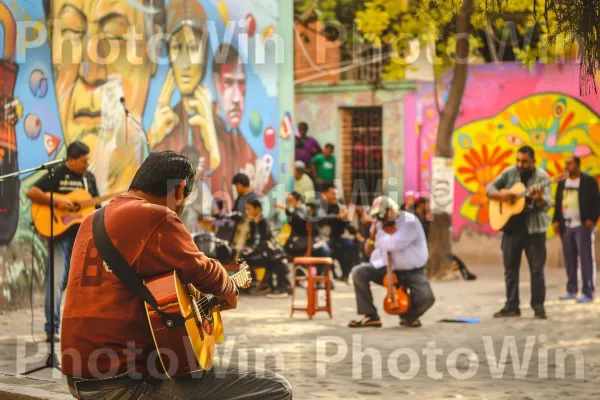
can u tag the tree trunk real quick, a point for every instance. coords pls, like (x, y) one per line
(440, 239)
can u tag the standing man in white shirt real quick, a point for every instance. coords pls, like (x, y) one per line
(575, 216)
(302, 182)
(400, 233)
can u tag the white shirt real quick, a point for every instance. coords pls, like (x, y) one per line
(570, 203)
(407, 245)
(305, 187)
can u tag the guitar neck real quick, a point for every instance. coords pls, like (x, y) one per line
(238, 278)
(98, 200)
(390, 272)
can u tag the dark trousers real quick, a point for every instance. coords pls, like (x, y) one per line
(273, 266)
(233, 382)
(534, 246)
(578, 245)
(343, 250)
(421, 295)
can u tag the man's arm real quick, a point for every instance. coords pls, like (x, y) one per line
(544, 201)
(171, 247)
(493, 189)
(38, 194)
(402, 238)
(595, 198)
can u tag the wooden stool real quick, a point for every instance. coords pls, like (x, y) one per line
(312, 279)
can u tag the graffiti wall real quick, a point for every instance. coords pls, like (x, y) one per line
(504, 108)
(128, 77)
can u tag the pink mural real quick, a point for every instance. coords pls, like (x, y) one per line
(504, 107)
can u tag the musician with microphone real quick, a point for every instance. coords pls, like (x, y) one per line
(68, 177)
(400, 235)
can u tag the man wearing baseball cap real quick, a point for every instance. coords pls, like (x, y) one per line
(302, 182)
(401, 234)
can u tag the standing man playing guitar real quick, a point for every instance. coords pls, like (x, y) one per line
(73, 175)
(108, 349)
(401, 234)
(524, 232)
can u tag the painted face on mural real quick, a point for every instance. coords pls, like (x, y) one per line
(94, 40)
(187, 54)
(232, 85)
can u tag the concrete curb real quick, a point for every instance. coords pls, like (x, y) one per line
(16, 387)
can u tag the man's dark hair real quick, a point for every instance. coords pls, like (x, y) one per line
(297, 196)
(421, 200)
(225, 54)
(577, 161)
(242, 179)
(527, 150)
(162, 171)
(303, 126)
(327, 186)
(330, 145)
(77, 149)
(255, 203)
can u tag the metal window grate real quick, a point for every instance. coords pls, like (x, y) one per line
(363, 153)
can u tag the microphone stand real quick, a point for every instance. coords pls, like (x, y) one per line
(51, 360)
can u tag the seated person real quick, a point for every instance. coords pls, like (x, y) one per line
(262, 249)
(401, 234)
(102, 317)
(334, 214)
(305, 237)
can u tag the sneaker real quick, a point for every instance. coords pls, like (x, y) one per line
(278, 294)
(372, 322)
(540, 313)
(505, 313)
(261, 289)
(585, 299)
(56, 337)
(568, 296)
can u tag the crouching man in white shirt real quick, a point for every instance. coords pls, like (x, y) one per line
(402, 234)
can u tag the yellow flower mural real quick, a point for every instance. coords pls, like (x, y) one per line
(555, 125)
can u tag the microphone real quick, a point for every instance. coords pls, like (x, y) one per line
(122, 99)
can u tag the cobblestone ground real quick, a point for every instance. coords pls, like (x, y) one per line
(323, 358)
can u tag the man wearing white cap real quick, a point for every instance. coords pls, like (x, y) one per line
(303, 184)
(402, 234)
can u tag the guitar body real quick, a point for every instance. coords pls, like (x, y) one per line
(500, 212)
(398, 302)
(63, 219)
(191, 347)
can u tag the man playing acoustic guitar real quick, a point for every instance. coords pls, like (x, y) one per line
(73, 175)
(524, 232)
(400, 233)
(108, 350)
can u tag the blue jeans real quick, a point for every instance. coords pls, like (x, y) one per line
(65, 245)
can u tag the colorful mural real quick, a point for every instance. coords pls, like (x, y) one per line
(504, 110)
(128, 77)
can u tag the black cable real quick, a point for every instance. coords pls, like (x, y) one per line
(31, 277)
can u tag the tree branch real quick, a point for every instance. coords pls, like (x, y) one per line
(435, 92)
(459, 81)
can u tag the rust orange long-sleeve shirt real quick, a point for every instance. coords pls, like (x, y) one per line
(105, 330)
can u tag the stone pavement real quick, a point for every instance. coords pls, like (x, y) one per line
(322, 358)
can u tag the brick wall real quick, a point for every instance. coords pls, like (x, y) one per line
(315, 59)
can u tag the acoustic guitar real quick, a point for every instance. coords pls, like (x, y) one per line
(397, 301)
(84, 203)
(501, 212)
(189, 347)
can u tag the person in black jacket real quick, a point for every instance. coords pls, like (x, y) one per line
(576, 212)
(262, 249)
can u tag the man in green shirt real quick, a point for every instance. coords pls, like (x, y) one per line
(324, 166)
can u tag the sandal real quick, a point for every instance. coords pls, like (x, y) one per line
(365, 323)
(411, 324)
